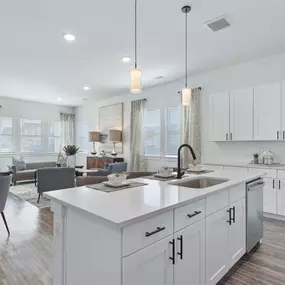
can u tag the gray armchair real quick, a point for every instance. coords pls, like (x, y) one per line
(109, 168)
(52, 178)
(4, 189)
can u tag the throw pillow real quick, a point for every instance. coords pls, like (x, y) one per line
(19, 164)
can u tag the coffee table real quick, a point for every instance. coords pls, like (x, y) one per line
(80, 171)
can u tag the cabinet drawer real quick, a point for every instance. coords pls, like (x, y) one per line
(189, 214)
(144, 233)
(237, 192)
(217, 201)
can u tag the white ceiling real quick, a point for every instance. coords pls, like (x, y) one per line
(37, 64)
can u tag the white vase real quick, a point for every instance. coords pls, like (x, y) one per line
(70, 161)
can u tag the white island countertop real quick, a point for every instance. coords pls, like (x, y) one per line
(127, 206)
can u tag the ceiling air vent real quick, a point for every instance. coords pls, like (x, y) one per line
(217, 24)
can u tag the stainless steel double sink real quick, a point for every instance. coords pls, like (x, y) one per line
(199, 183)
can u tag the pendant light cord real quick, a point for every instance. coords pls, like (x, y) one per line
(186, 48)
(136, 4)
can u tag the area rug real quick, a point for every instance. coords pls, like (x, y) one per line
(28, 192)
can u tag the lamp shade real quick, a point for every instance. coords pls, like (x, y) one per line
(115, 135)
(136, 78)
(94, 136)
(186, 96)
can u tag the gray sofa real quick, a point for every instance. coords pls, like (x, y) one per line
(29, 172)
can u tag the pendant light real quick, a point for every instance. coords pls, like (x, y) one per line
(186, 92)
(135, 73)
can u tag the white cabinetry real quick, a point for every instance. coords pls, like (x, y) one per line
(150, 265)
(241, 115)
(267, 112)
(219, 116)
(269, 190)
(237, 231)
(217, 246)
(190, 259)
(281, 193)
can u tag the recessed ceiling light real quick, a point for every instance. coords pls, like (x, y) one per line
(125, 59)
(69, 37)
(59, 99)
(86, 88)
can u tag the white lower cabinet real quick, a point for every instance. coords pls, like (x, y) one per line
(190, 258)
(225, 240)
(237, 231)
(270, 195)
(217, 244)
(150, 266)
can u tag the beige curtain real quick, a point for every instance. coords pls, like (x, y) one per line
(67, 129)
(137, 159)
(191, 128)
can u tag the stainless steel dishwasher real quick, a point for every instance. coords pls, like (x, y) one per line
(254, 213)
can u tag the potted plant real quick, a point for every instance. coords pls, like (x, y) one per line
(255, 158)
(70, 151)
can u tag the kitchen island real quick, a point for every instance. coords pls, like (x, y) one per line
(157, 234)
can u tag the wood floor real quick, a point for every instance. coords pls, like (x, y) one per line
(26, 257)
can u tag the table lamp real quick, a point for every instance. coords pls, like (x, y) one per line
(94, 137)
(114, 137)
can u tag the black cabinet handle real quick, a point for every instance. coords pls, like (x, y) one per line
(273, 183)
(181, 247)
(227, 136)
(283, 135)
(195, 214)
(230, 216)
(278, 135)
(231, 136)
(147, 234)
(279, 184)
(173, 251)
(234, 214)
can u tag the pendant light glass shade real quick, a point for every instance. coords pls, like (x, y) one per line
(186, 96)
(136, 80)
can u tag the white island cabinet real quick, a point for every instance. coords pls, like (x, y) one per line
(159, 234)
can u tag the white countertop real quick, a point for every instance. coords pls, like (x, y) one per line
(130, 205)
(249, 165)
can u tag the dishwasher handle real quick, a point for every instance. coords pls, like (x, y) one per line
(257, 185)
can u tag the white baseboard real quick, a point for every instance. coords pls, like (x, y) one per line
(273, 216)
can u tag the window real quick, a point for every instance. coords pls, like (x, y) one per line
(6, 135)
(172, 131)
(31, 136)
(83, 130)
(54, 131)
(151, 132)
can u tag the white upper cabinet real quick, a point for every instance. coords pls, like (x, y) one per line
(267, 112)
(241, 115)
(219, 124)
(282, 136)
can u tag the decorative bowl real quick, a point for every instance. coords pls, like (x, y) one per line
(117, 178)
(165, 171)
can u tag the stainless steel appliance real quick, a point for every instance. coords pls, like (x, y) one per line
(254, 213)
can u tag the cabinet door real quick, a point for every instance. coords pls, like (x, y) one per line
(190, 265)
(237, 246)
(270, 196)
(219, 120)
(150, 266)
(217, 246)
(267, 112)
(281, 197)
(241, 115)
